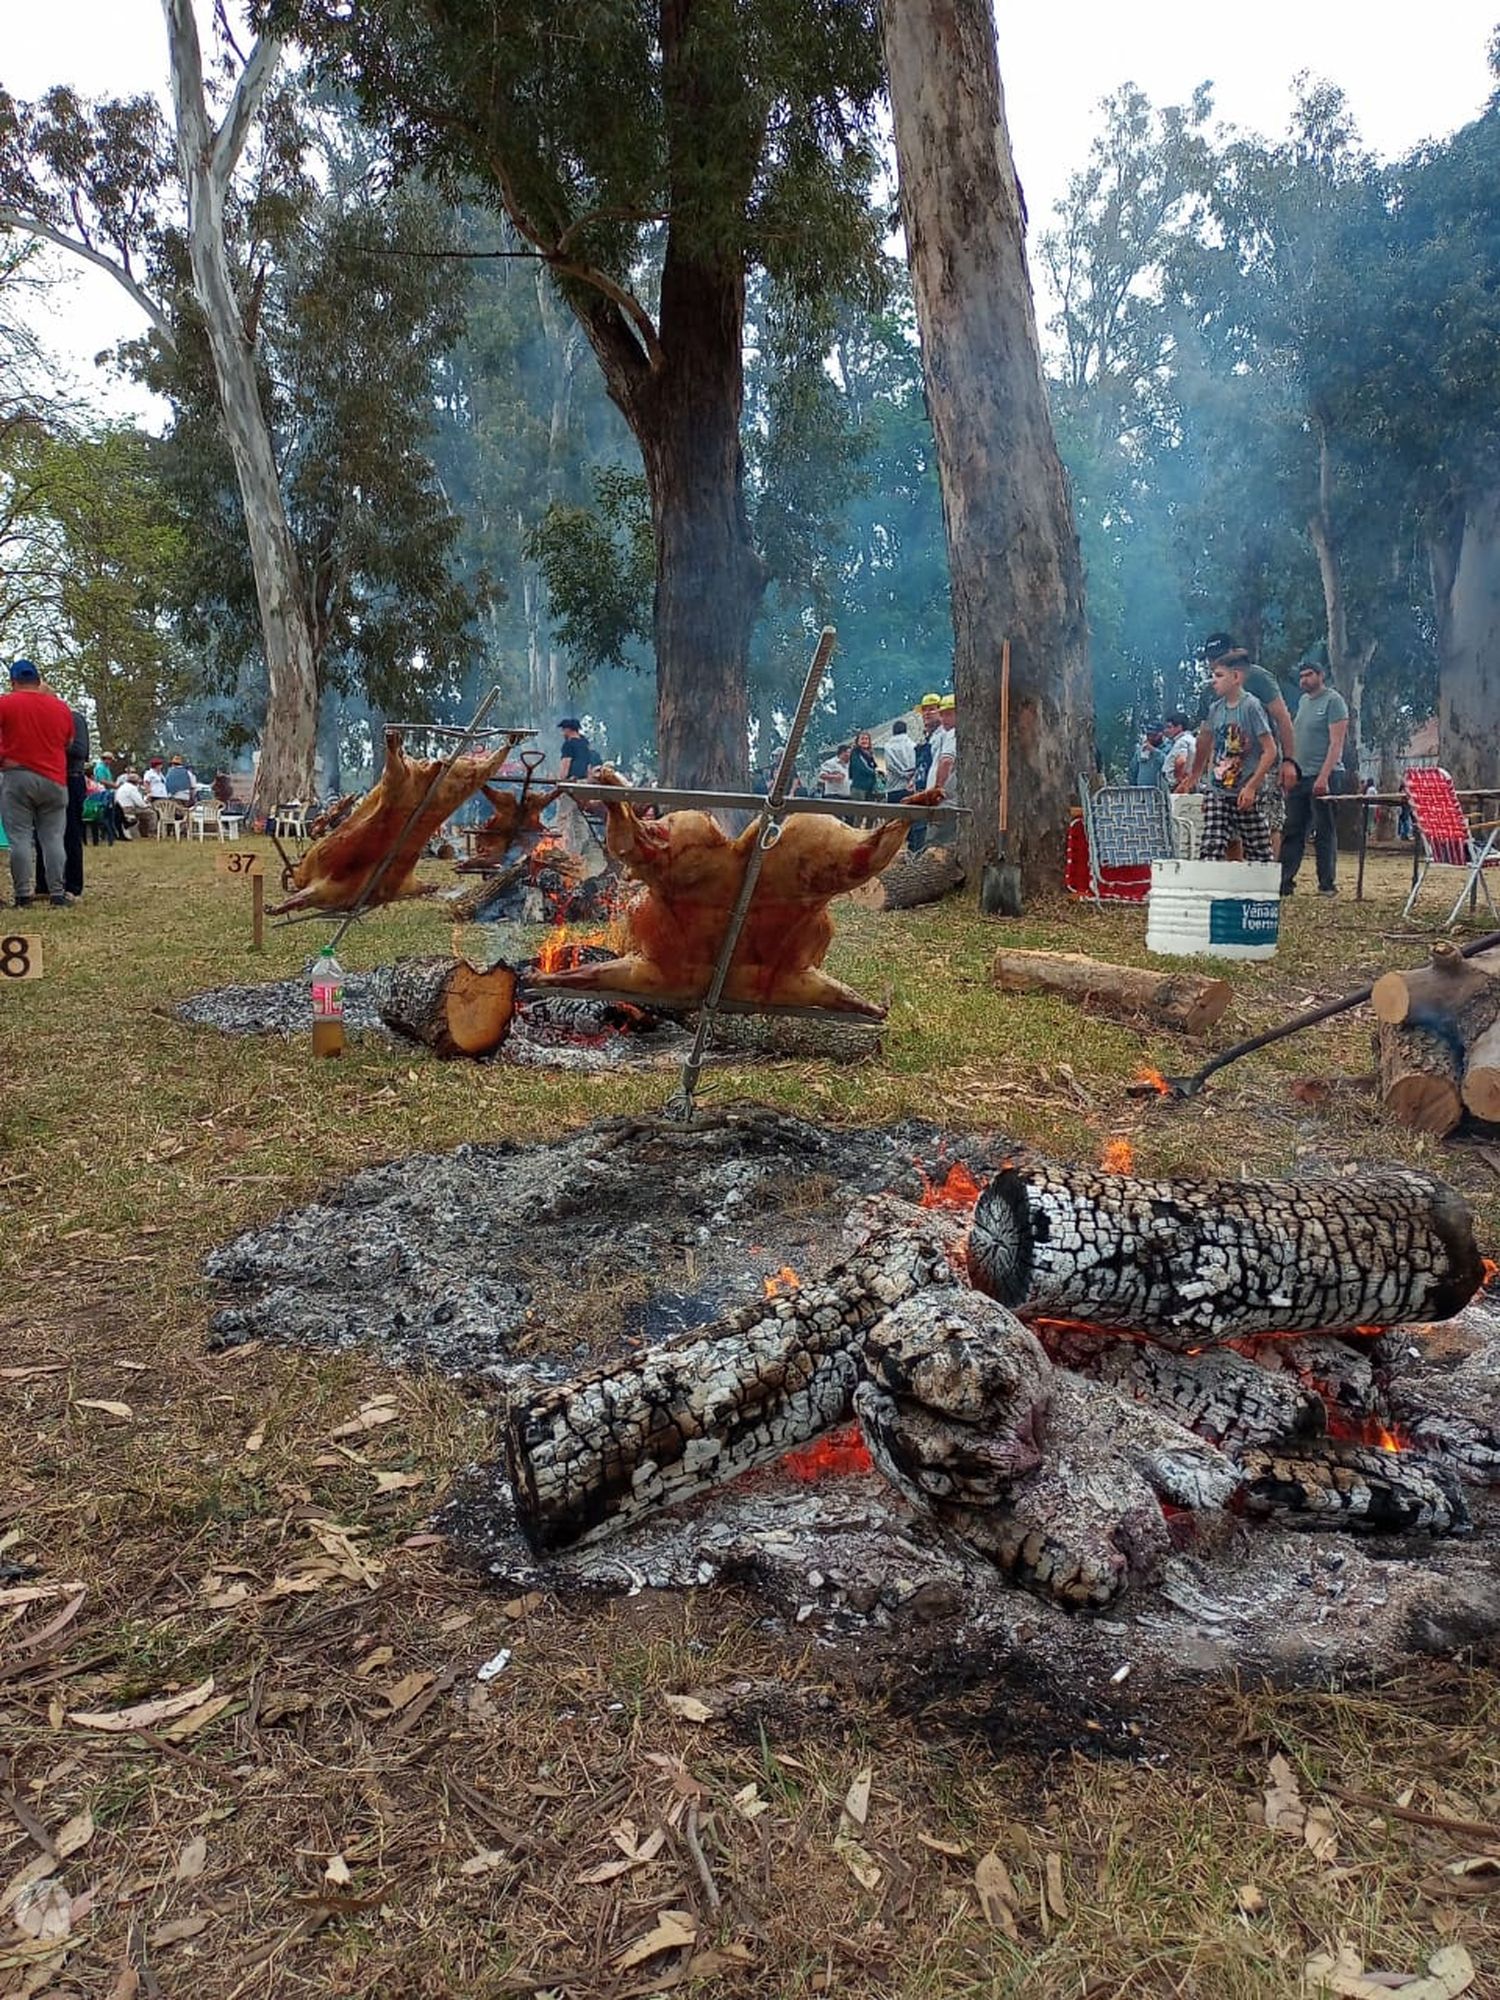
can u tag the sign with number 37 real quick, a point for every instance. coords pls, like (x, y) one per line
(20, 958)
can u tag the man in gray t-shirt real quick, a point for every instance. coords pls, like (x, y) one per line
(1221, 646)
(1321, 725)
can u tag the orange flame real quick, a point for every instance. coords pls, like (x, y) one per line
(960, 1190)
(784, 1280)
(559, 952)
(1117, 1155)
(1156, 1080)
(829, 1456)
(1491, 1271)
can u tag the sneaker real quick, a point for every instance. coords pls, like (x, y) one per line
(1328, 892)
(62, 902)
(24, 902)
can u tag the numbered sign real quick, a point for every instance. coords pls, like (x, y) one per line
(20, 958)
(242, 861)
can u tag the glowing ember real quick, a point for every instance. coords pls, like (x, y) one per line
(559, 951)
(1117, 1155)
(1154, 1079)
(835, 1454)
(1491, 1271)
(959, 1191)
(784, 1280)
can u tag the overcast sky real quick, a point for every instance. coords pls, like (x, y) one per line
(1057, 61)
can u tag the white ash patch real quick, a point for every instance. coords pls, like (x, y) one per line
(283, 1007)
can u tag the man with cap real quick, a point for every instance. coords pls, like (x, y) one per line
(930, 709)
(36, 729)
(1146, 765)
(1321, 724)
(1220, 646)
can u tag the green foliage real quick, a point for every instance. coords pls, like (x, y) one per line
(600, 564)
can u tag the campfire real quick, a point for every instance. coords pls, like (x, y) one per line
(830, 1401)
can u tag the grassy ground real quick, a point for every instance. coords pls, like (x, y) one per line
(346, 1810)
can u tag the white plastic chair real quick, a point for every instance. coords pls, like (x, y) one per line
(198, 822)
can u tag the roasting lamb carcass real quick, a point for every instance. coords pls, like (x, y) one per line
(335, 869)
(690, 873)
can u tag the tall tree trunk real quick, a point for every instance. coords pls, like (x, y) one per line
(1013, 553)
(1346, 667)
(288, 741)
(1464, 547)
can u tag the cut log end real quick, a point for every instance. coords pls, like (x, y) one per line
(1419, 1078)
(911, 880)
(451, 1007)
(1185, 1001)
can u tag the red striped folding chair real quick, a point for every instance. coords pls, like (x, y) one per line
(1448, 840)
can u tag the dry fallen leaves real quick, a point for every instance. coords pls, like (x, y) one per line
(672, 1930)
(1249, 1899)
(193, 1859)
(996, 1893)
(121, 1410)
(1287, 1812)
(406, 1690)
(688, 1707)
(144, 1714)
(44, 1909)
(380, 1410)
(177, 1932)
(1342, 1973)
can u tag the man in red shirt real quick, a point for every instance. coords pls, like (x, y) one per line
(35, 731)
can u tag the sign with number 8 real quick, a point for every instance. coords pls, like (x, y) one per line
(20, 957)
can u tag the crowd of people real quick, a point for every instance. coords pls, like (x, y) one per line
(56, 794)
(1267, 777)
(908, 764)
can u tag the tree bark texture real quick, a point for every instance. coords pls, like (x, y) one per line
(1465, 552)
(1346, 668)
(1458, 996)
(911, 880)
(450, 1006)
(1481, 1084)
(1186, 1001)
(1013, 555)
(589, 1457)
(1192, 1262)
(289, 738)
(1419, 1078)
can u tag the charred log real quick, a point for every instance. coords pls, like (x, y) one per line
(450, 1006)
(1419, 1078)
(588, 1457)
(1185, 1001)
(1355, 1487)
(1194, 1261)
(1219, 1394)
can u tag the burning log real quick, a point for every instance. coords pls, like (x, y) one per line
(1419, 1078)
(911, 880)
(1190, 1262)
(589, 1457)
(1185, 1001)
(335, 871)
(692, 872)
(450, 1006)
(1360, 1488)
(1220, 1395)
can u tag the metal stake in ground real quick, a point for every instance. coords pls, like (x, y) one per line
(768, 832)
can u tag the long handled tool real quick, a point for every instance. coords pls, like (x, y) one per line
(1189, 1086)
(679, 1108)
(1000, 883)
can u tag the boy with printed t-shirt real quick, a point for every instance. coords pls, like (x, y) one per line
(1237, 746)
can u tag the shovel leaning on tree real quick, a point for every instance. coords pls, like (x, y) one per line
(1000, 883)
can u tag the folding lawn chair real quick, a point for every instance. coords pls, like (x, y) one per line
(1127, 826)
(1448, 840)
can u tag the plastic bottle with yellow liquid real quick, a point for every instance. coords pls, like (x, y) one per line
(327, 984)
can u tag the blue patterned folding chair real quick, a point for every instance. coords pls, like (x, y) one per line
(1126, 826)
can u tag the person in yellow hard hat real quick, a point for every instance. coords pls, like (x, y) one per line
(930, 707)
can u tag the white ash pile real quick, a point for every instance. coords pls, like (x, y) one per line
(280, 1006)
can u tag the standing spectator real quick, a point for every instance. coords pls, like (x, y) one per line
(864, 775)
(182, 786)
(1237, 744)
(223, 787)
(132, 806)
(577, 758)
(930, 709)
(1177, 757)
(944, 774)
(1150, 756)
(1321, 725)
(36, 729)
(833, 773)
(1260, 684)
(78, 791)
(900, 764)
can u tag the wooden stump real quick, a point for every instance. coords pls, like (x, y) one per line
(910, 880)
(1197, 1261)
(1186, 1001)
(1481, 1085)
(1458, 997)
(450, 1006)
(1419, 1078)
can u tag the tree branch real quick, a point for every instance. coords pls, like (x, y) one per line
(255, 79)
(31, 225)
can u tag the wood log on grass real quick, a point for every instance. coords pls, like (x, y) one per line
(1481, 1084)
(911, 880)
(1419, 1078)
(589, 1457)
(1186, 1001)
(1458, 996)
(820, 1037)
(450, 1006)
(1191, 1262)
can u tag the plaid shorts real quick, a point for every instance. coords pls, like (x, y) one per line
(1223, 821)
(1272, 800)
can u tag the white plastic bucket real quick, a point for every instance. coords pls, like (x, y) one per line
(1214, 909)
